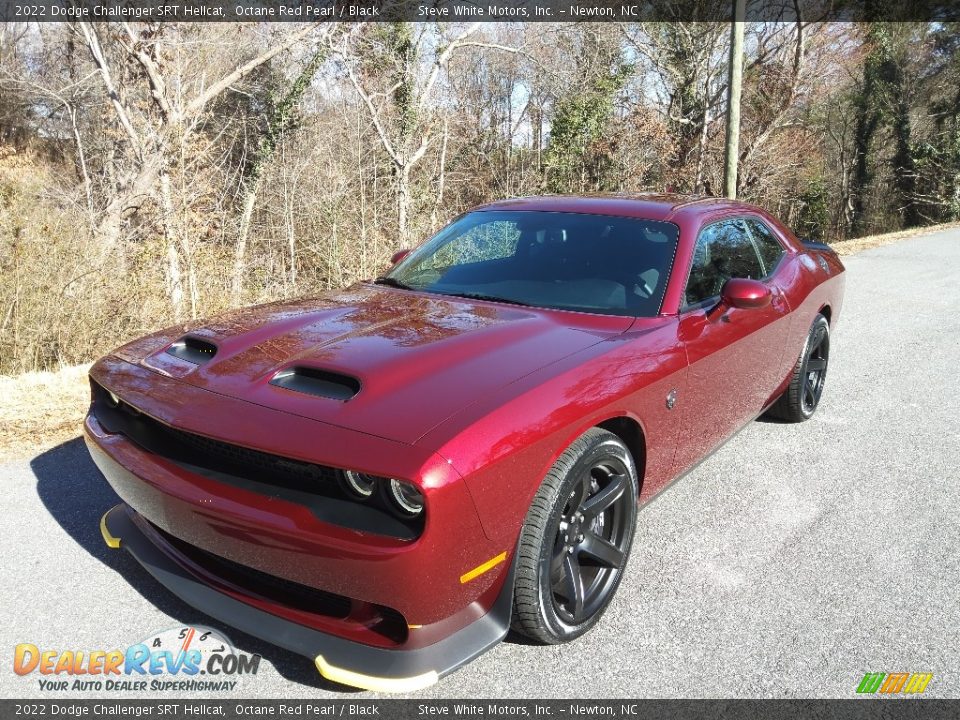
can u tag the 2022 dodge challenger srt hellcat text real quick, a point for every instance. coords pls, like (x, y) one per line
(387, 478)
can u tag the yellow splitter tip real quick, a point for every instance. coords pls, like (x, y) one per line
(371, 682)
(110, 540)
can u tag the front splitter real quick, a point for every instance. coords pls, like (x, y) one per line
(339, 660)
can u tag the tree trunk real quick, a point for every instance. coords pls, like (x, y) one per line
(869, 118)
(361, 181)
(174, 272)
(866, 123)
(441, 182)
(281, 120)
(702, 149)
(134, 194)
(240, 251)
(292, 246)
(904, 170)
(403, 203)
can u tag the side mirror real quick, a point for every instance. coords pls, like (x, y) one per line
(744, 293)
(399, 255)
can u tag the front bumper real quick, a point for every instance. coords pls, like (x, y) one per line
(286, 571)
(337, 659)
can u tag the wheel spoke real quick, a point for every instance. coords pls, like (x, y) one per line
(556, 563)
(809, 397)
(571, 586)
(606, 497)
(580, 492)
(816, 364)
(603, 551)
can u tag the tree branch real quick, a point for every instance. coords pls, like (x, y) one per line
(374, 115)
(93, 45)
(441, 61)
(196, 105)
(158, 87)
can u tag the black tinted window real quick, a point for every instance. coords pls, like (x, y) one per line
(723, 251)
(768, 246)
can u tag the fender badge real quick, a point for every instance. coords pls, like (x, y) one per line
(671, 399)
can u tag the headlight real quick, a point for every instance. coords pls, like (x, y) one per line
(404, 498)
(359, 485)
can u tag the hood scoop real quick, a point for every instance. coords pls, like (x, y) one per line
(193, 350)
(321, 383)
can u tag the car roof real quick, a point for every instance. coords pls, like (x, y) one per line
(649, 206)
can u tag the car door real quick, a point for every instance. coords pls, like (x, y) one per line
(733, 354)
(779, 278)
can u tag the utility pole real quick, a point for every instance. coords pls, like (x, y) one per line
(733, 100)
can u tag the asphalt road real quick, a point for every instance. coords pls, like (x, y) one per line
(793, 561)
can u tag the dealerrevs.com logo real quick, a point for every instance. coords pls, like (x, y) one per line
(180, 659)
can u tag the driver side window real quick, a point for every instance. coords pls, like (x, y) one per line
(723, 251)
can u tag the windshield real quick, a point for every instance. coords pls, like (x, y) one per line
(568, 261)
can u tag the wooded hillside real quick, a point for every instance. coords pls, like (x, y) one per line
(153, 173)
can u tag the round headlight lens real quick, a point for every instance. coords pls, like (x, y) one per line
(405, 497)
(359, 485)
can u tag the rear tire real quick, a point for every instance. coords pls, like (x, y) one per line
(576, 540)
(802, 396)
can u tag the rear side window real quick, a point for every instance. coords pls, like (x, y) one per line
(724, 250)
(768, 246)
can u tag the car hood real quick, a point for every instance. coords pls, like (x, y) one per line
(417, 358)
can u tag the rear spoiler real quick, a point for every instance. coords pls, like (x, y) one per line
(814, 245)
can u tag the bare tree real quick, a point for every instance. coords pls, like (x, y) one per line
(151, 172)
(281, 119)
(157, 128)
(396, 71)
(684, 69)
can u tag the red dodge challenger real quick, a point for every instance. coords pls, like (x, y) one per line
(386, 479)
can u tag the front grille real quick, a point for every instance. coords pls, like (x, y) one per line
(203, 453)
(314, 486)
(301, 474)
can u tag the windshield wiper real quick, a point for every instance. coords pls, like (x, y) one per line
(392, 282)
(481, 296)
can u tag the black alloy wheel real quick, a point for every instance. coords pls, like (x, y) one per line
(815, 367)
(576, 540)
(588, 551)
(802, 396)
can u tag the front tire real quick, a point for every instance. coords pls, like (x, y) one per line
(576, 540)
(802, 396)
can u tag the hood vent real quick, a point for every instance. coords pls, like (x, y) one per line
(193, 350)
(313, 381)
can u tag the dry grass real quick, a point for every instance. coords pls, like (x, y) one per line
(855, 245)
(40, 410)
